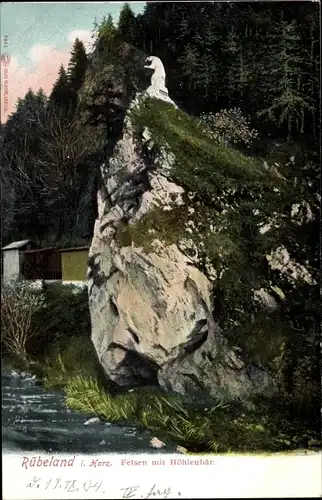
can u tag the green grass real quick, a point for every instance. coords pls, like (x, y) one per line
(167, 226)
(86, 396)
(217, 176)
(221, 427)
(201, 164)
(66, 359)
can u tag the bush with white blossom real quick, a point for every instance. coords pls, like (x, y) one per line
(229, 127)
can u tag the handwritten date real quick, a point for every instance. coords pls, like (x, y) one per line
(70, 485)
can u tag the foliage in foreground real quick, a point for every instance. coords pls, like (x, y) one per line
(19, 303)
(65, 313)
(68, 358)
(221, 427)
(49, 328)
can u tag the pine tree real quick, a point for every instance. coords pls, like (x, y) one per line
(20, 151)
(209, 65)
(62, 96)
(41, 96)
(311, 73)
(77, 66)
(288, 101)
(189, 68)
(127, 28)
(105, 34)
(40, 104)
(22, 127)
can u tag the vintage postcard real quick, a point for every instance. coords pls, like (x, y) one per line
(160, 250)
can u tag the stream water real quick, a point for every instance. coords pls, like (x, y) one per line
(37, 420)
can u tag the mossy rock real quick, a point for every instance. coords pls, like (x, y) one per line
(201, 164)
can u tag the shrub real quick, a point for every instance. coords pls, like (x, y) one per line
(228, 127)
(65, 313)
(19, 303)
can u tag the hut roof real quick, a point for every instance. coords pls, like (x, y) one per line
(16, 244)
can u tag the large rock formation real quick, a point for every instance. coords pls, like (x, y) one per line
(151, 311)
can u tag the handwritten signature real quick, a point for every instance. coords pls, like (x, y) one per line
(155, 491)
(75, 485)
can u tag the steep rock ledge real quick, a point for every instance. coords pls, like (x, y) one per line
(151, 311)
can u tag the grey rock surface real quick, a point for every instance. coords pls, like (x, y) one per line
(151, 312)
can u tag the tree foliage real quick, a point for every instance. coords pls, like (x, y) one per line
(77, 67)
(262, 58)
(19, 302)
(104, 34)
(127, 24)
(62, 96)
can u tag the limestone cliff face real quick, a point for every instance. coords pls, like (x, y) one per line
(151, 311)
